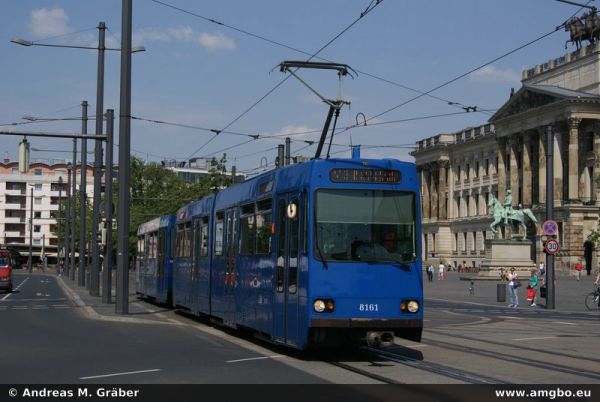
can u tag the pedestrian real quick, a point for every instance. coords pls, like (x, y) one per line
(532, 287)
(503, 274)
(460, 267)
(430, 272)
(542, 269)
(513, 284)
(441, 270)
(61, 267)
(578, 269)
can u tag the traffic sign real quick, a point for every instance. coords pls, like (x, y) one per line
(552, 246)
(550, 227)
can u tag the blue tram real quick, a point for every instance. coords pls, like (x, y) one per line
(154, 262)
(324, 252)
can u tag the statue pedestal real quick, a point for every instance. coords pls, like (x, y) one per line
(504, 253)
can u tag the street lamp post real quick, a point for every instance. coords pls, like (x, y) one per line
(93, 283)
(72, 211)
(59, 247)
(82, 196)
(30, 263)
(108, 209)
(67, 241)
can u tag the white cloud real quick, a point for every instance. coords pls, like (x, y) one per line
(44, 22)
(493, 74)
(209, 41)
(215, 42)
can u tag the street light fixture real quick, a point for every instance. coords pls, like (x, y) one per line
(25, 42)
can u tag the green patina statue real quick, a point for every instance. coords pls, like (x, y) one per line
(504, 214)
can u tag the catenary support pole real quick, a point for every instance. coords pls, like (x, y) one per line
(108, 210)
(72, 212)
(95, 266)
(83, 196)
(122, 296)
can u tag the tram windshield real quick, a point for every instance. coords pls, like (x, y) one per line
(365, 225)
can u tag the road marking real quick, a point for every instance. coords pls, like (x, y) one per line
(19, 307)
(118, 374)
(254, 358)
(565, 323)
(40, 307)
(17, 288)
(535, 338)
(513, 318)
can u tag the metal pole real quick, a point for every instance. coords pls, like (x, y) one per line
(108, 209)
(59, 248)
(550, 302)
(72, 212)
(68, 221)
(122, 300)
(288, 146)
(95, 267)
(82, 197)
(30, 263)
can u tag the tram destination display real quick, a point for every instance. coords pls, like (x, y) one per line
(347, 175)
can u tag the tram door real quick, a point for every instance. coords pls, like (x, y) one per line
(286, 276)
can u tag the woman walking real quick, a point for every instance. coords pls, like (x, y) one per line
(512, 288)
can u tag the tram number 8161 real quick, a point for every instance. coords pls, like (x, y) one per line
(368, 307)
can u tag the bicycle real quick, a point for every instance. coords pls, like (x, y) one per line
(592, 300)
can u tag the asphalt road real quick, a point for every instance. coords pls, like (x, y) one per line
(46, 339)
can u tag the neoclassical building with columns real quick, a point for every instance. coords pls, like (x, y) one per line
(460, 171)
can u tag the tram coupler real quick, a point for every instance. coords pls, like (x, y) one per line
(380, 339)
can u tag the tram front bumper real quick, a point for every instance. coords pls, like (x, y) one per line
(396, 323)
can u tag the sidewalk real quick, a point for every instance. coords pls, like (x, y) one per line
(569, 296)
(93, 307)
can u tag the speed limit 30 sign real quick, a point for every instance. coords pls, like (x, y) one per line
(552, 246)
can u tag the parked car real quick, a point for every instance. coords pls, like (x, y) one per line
(6, 267)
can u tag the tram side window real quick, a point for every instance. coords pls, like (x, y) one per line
(264, 220)
(187, 240)
(140, 245)
(247, 229)
(219, 232)
(204, 237)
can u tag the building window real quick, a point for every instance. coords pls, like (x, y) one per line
(37, 215)
(38, 187)
(37, 228)
(37, 200)
(476, 169)
(37, 242)
(37, 171)
(14, 170)
(468, 171)
(487, 167)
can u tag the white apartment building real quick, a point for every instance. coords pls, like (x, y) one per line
(42, 182)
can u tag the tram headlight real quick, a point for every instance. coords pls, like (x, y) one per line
(324, 305)
(409, 306)
(319, 305)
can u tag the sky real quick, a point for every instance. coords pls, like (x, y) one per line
(214, 65)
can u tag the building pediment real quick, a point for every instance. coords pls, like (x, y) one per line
(531, 97)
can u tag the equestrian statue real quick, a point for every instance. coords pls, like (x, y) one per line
(504, 214)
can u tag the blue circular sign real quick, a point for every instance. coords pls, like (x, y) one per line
(550, 227)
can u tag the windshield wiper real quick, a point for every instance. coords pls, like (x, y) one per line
(325, 265)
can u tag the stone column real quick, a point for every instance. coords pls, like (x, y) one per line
(433, 194)
(541, 166)
(595, 186)
(527, 178)
(558, 169)
(574, 157)
(513, 143)
(501, 167)
(442, 190)
(425, 186)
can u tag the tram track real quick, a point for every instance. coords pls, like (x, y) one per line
(518, 359)
(512, 345)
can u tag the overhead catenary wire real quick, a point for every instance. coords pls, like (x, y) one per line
(289, 47)
(364, 13)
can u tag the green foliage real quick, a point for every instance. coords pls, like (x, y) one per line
(155, 191)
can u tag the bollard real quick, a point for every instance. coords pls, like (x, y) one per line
(501, 292)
